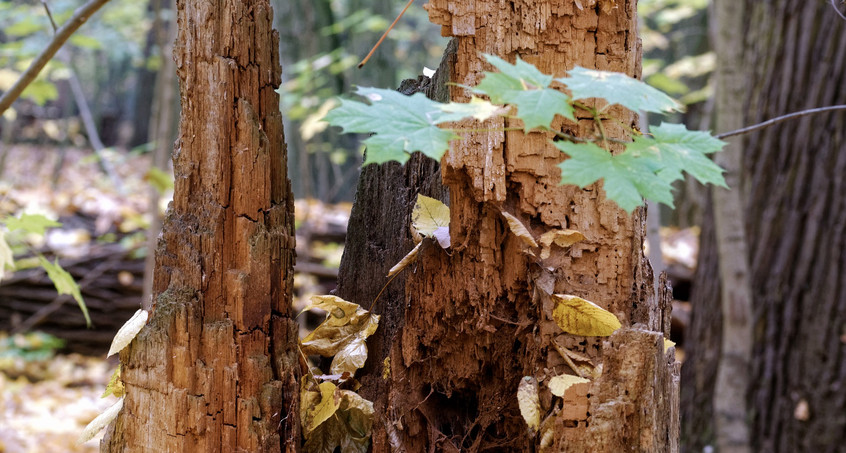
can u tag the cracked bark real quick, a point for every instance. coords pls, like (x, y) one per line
(215, 369)
(462, 329)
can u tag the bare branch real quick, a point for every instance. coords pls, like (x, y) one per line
(779, 119)
(62, 34)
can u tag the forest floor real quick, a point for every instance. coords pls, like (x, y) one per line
(46, 399)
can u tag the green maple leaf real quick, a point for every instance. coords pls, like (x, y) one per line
(31, 223)
(525, 87)
(673, 148)
(626, 177)
(617, 88)
(402, 124)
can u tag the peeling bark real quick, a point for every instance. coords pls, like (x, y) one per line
(216, 367)
(470, 322)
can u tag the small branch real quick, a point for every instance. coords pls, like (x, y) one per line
(363, 62)
(780, 119)
(62, 34)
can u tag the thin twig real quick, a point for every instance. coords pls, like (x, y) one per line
(363, 62)
(85, 114)
(780, 119)
(62, 34)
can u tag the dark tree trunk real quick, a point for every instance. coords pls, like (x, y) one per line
(795, 202)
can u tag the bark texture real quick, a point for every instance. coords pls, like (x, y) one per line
(794, 197)
(470, 322)
(216, 369)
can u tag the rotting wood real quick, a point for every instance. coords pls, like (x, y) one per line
(216, 369)
(470, 323)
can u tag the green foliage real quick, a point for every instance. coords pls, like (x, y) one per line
(65, 284)
(402, 124)
(32, 346)
(618, 88)
(31, 223)
(646, 168)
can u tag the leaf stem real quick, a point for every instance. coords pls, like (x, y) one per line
(372, 304)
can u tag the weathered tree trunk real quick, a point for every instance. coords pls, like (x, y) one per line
(216, 368)
(731, 423)
(794, 57)
(470, 322)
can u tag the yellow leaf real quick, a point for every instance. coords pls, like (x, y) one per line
(343, 334)
(582, 317)
(128, 331)
(428, 215)
(561, 238)
(559, 384)
(100, 422)
(6, 257)
(529, 402)
(115, 386)
(329, 403)
(668, 344)
(519, 230)
(405, 261)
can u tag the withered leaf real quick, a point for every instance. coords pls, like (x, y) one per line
(561, 238)
(529, 402)
(582, 317)
(559, 384)
(343, 334)
(519, 229)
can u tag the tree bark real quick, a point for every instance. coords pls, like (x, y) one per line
(216, 368)
(793, 198)
(469, 323)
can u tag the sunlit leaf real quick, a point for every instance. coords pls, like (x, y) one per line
(582, 317)
(6, 256)
(100, 422)
(668, 344)
(559, 384)
(85, 42)
(430, 218)
(478, 109)
(31, 223)
(617, 88)
(115, 386)
(405, 261)
(519, 230)
(128, 331)
(561, 238)
(627, 177)
(330, 401)
(65, 284)
(529, 402)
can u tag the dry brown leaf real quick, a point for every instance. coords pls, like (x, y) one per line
(582, 317)
(561, 238)
(405, 261)
(519, 230)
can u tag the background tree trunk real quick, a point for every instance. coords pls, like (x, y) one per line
(216, 367)
(793, 197)
(470, 322)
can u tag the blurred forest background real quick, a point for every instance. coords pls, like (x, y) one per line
(88, 145)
